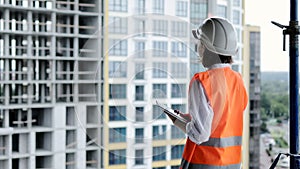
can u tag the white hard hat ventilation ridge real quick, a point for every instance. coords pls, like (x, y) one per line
(218, 35)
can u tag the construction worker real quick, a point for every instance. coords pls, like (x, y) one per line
(217, 99)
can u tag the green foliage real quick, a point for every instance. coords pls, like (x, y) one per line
(274, 100)
(281, 142)
(263, 128)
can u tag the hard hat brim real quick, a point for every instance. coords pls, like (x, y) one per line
(196, 34)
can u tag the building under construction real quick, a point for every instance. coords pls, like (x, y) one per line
(50, 81)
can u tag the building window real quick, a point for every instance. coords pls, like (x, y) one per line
(159, 132)
(160, 49)
(158, 6)
(117, 69)
(238, 35)
(117, 157)
(198, 10)
(117, 113)
(178, 49)
(118, 47)
(176, 152)
(118, 5)
(179, 70)
(160, 70)
(140, 7)
(140, 27)
(236, 17)
(237, 3)
(178, 91)
(117, 135)
(160, 27)
(179, 29)
(139, 135)
(180, 107)
(158, 113)
(235, 68)
(159, 153)
(139, 157)
(159, 91)
(118, 25)
(176, 133)
(139, 70)
(222, 11)
(139, 114)
(117, 91)
(139, 92)
(140, 49)
(181, 8)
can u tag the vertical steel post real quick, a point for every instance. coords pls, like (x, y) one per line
(294, 87)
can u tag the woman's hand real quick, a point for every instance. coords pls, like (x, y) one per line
(184, 115)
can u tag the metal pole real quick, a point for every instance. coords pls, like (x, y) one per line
(294, 87)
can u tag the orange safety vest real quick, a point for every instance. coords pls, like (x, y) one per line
(223, 149)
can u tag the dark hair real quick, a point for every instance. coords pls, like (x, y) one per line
(225, 59)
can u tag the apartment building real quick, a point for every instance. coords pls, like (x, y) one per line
(251, 55)
(50, 84)
(152, 57)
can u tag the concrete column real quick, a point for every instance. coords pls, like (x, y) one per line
(59, 136)
(9, 149)
(53, 55)
(32, 150)
(29, 54)
(81, 136)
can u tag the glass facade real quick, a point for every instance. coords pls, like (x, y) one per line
(117, 91)
(139, 157)
(179, 70)
(117, 69)
(157, 113)
(118, 25)
(117, 157)
(181, 8)
(160, 48)
(176, 151)
(178, 91)
(159, 153)
(222, 11)
(117, 135)
(160, 70)
(139, 135)
(160, 27)
(159, 91)
(198, 10)
(159, 132)
(118, 47)
(179, 29)
(158, 6)
(179, 49)
(117, 113)
(118, 5)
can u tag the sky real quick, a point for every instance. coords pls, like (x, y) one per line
(261, 13)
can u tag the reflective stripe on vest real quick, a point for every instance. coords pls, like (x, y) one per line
(224, 142)
(187, 165)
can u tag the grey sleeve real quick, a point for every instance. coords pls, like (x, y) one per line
(199, 128)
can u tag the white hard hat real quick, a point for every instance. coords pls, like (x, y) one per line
(218, 36)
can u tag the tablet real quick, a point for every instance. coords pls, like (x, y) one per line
(171, 112)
